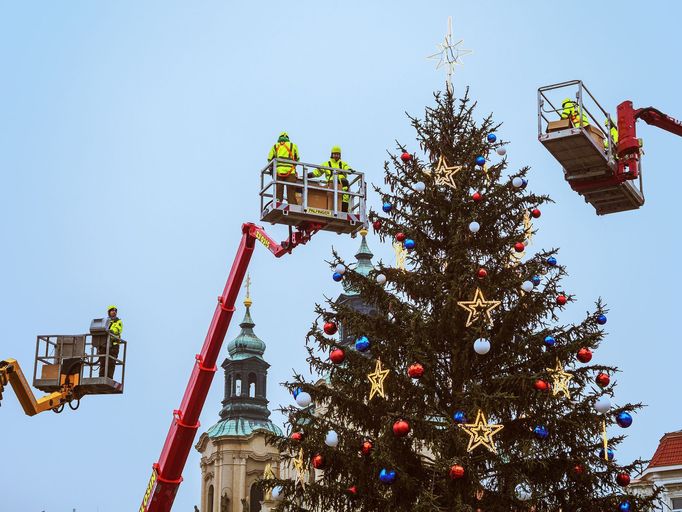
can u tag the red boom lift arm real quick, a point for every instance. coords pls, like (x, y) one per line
(167, 472)
(628, 144)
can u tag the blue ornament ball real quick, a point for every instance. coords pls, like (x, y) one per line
(551, 261)
(459, 417)
(387, 207)
(524, 183)
(541, 432)
(624, 506)
(492, 137)
(601, 319)
(624, 419)
(549, 341)
(362, 344)
(409, 244)
(536, 280)
(387, 476)
(337, 277)
(480, 160)
(609, 453)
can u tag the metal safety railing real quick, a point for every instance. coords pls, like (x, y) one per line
(97, 352)
(353, 194)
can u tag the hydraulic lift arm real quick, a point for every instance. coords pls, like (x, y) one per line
(10, 372)
(628, 144)
(167, 472)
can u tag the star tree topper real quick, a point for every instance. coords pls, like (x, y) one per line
(481, 433)
(560, 380)
(477, 306)
(376, 379)
(449, 54)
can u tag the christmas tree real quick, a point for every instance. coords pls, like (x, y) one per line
(460, 389)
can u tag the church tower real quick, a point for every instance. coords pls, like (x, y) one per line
(234, 452)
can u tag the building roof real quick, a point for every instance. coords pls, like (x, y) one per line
(364, 262)
(233, 427)
(247, 344)
(669, 451)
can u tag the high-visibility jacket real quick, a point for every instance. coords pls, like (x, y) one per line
(287, 150)
(329, 175)
(614, 137)
(115, 328)
(577, 118)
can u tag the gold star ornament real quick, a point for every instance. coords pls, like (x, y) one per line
(481, 433)
(478, 307)
(445, 174)
(376, 379)
(400, 255)
(560, 380)
(299, 466)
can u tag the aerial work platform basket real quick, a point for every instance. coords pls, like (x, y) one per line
(585, 148)
(331, 204)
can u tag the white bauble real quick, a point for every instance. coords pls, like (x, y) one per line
(481, 346)
(303, 399)
(501, 151)
(527, 286)
(517, 182)
(602, 405)
(332, 439)
(381, 278)
(474, 227)
(340, 268)
(420, 186)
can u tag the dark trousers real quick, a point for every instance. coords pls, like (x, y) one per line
(291, 191)
(104, 360)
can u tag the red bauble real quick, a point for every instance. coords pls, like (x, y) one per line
(603, 380)
(456, 472)
(400, 237)
(401, 428)
(476, 196)
(482, 273)
(376, 225)
(541, 385)
(579, 469)
(337, 356)
(352, 490)
(296, 436)
(318, 461)
(584, 355)
(406, 157)
(561, 299)
(519, 247)
(535, 213)
(330, 328)
(623, 479)
(415, 371)
(367, 447)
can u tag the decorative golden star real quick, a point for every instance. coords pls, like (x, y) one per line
(527, 229)
(299, 466)
(445, 175)
(560, 380)
(376, 378)
(481, 433)
(477, 306)
(400, 255)
(449, 55)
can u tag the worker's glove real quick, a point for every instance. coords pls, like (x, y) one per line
(310, 175)
(344, 182)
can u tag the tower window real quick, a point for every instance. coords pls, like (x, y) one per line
(209, 499)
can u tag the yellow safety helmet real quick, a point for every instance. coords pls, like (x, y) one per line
(112, 307)
(567, 100)
(336, 149)
(283, 137)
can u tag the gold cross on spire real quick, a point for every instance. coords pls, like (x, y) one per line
(247, 285)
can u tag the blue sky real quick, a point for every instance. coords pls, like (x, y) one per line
(131, 138)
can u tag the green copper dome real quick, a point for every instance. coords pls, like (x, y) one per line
(247, 344)
(364, 262)
(242, 427)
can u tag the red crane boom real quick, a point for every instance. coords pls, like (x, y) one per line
(167, 472)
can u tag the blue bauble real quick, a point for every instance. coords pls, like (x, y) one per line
(536, 280)
(387, 207)
(551, 261)
(387, 476)
(550, 341)
(624, 506)
(480, 160)
(624, 419)
(296, 392)
(492, 137)
(541, 432)
(337, 277)
(609, 453)
(409, 244)
(459, 417)
(362, 344)
(601, 319)
(525, 183)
